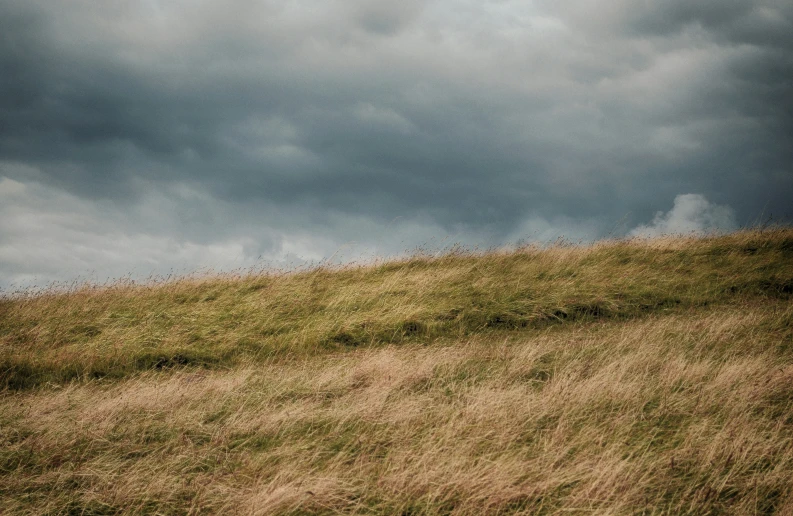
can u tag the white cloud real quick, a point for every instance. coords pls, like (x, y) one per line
(692, 213)
(48, 235)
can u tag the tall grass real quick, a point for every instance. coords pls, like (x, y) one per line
(626, 377)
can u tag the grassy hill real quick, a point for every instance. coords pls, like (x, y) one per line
(625, 377)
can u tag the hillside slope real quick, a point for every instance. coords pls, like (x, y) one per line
(626, 377)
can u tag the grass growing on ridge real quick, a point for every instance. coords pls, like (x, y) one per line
(627, 377)
(217, 322)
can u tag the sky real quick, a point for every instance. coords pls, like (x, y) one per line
(150, 137)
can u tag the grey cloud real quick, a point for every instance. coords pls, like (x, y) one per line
(385, 18)
(485, 120)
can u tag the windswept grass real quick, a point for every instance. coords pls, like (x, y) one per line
(221, 322)
(627, 377)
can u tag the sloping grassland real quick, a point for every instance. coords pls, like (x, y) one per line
(626, 377)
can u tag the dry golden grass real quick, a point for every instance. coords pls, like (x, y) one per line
(623, 378)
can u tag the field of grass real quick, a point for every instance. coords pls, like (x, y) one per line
(624, 377)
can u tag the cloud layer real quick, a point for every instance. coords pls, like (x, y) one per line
(259, 128)
(691, 214)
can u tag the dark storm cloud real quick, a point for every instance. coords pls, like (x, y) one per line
(281, 128)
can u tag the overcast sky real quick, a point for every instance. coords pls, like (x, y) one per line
(144, 136)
